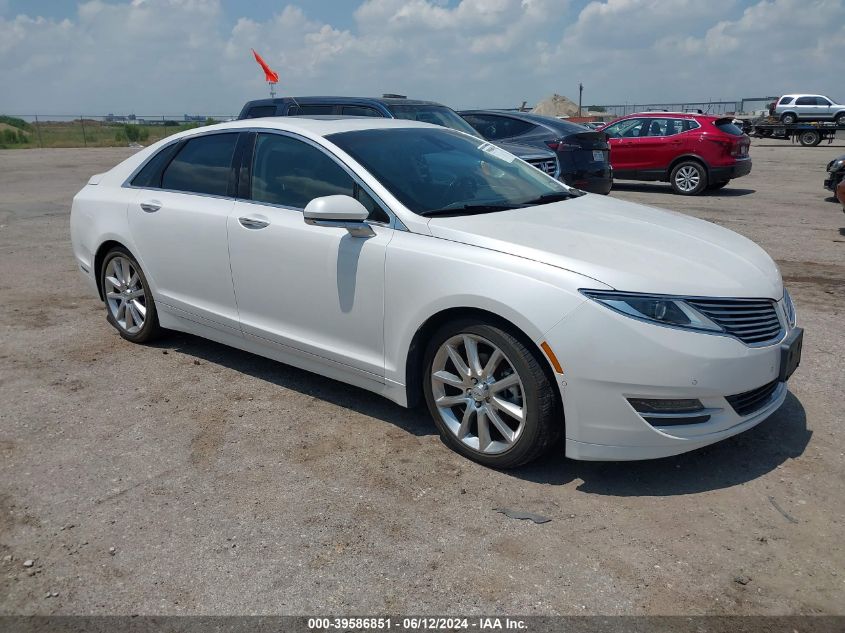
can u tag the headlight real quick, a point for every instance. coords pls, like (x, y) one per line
(654, 308)
(789, 309)
(836, 165)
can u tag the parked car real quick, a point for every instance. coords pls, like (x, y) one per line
(392, 107)
(793, 108)
(413, 261)
(583, 154)
(693, 152)
(836, 173)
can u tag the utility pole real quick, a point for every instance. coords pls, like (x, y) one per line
(580, 94)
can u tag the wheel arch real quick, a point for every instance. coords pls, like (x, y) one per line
(416, 352)
(685, 158)
(100, 255)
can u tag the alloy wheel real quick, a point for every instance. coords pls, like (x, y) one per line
(478, 393)
(687, 178)
(125, 296)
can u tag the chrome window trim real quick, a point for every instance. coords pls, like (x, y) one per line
(393, 223)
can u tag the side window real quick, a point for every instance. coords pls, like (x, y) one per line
(150, 175)
(353, 110)
(292, 173)
(483, 124)
(805, 101)
(629, 128)
(822, 101)
(655, 127)
(256, 112)
(307, 110)
(203, 165)
(691, 124)
(499, 127)
(786, 101)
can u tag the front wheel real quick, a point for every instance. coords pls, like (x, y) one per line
(688, 178)
(489, 395)
(839, 119)
(129, 303)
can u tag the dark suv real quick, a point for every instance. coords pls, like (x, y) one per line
(391, 107)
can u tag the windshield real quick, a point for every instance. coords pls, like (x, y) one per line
(436, 114)
(434, 172)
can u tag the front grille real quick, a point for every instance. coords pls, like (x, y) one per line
(750, 401)
(752, 321)
(548, 165)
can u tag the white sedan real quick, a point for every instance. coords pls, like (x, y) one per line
(424, 264)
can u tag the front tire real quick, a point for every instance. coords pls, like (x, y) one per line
(688, 178)
(839, 119)
(129, 303)
(489, 395)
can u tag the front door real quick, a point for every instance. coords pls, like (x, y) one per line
(626, 155)
(181, 220)
(314, 289)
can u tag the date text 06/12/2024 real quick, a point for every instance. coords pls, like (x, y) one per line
(416, 624)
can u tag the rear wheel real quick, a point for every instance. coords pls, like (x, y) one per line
(688, 178)
(810, 138)
(788, 118)
(129, 304)
(489, 395)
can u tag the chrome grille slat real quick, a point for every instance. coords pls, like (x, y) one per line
(547, 165)
(752, 321)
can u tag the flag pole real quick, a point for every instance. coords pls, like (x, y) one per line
(272, 89)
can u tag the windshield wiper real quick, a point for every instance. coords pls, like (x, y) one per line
(469, 209)
(554, 197)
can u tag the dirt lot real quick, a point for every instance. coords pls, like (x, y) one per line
(227, 483)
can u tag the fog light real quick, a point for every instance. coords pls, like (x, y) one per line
(670, 412)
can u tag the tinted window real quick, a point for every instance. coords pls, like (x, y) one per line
(292, 173)
(202, 166)
(436, 114)
(307, 109)
(150, 175)
(495, 128)
(629, 128)
(805, 101)
(360, 111)
(663, 127)
(786, 100)
(822, 101)
(429, 169)
(690, 124)
(257, 112)
(728, 127)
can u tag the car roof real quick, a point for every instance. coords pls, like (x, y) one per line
(803, 94)
(540, 119)
(314, 126)
(688, 115)
(344, 100)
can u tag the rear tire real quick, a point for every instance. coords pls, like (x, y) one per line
(489, 395)
(810, 138)
(788, 118)
(129, 303)
(688, 178)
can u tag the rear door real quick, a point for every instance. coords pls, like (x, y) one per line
(806, 107)
(178, 223)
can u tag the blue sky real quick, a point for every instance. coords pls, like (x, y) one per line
(176, 56)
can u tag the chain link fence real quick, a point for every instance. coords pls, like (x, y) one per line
(31, 130)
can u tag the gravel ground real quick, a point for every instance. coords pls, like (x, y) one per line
(187, 478)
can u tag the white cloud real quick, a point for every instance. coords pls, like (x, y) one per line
(175, 56)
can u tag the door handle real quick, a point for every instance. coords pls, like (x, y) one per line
(253, 223)
(151, 207)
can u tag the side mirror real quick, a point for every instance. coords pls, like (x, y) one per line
(341, 212)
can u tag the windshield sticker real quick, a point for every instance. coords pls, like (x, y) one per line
(498, 152)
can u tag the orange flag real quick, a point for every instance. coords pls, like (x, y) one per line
(269, 74)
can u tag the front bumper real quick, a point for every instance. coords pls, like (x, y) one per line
(742, 167)
(608, 358)
(833, 180)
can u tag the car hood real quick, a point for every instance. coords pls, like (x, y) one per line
(627, 246)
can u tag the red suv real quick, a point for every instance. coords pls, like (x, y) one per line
(693, 152)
